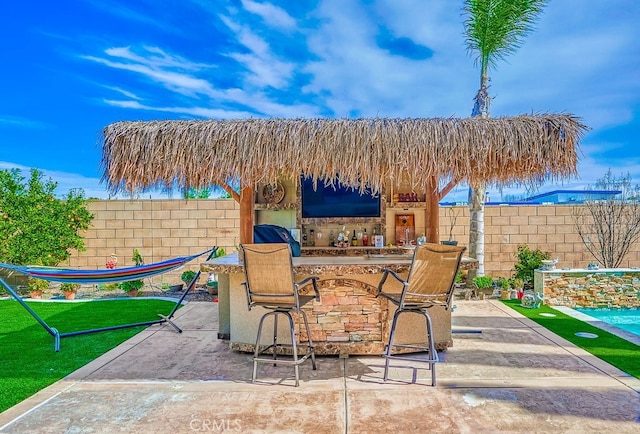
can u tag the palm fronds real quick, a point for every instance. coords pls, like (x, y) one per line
(497, 28)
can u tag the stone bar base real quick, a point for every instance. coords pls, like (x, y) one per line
(348, 318)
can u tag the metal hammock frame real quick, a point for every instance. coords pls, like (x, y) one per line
(55, 274)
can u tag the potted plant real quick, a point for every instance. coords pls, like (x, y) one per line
(453, 214)
(131, 287)
(37, 287)
(187, 277)
(518, 287)
(484, 285)
(69, 290)
(505, 288)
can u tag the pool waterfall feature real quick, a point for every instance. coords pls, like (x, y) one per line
(604, 287)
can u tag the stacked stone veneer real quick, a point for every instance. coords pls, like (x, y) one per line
(592, 288)
(348, 312)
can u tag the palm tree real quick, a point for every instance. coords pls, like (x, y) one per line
(493, 30)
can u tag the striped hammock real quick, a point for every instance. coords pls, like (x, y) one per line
(69, 275)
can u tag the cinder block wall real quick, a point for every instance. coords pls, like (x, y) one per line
(546, 227)
(159, 229)
(163, 229)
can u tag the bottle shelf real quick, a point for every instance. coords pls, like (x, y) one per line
(401, 205)
(274, 206)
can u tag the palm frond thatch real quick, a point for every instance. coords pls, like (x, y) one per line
(138, 155)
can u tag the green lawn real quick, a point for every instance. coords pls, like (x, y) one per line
(28, 361)
(612, 349)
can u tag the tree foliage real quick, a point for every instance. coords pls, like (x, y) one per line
(35, 226)
(527, 261)
(608, 227)
(496, 28)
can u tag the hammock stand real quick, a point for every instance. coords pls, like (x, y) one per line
(54, 274)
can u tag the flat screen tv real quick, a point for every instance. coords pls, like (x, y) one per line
(327, 202)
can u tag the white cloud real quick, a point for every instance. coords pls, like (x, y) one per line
(272, 15)
(194, 111)
(124, 92)
(18, 121)
(155, 68)
(265, 69)
(360, 76)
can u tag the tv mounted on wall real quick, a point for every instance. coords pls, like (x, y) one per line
(341, 201)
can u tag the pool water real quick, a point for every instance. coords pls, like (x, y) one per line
(627, 319)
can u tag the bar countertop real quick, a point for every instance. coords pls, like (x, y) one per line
(337, 265)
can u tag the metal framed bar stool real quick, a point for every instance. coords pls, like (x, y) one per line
(269, 282)
(430, 283)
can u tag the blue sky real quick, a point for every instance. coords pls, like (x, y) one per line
(71, 67)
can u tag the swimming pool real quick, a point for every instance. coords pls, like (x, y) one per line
(627, 319)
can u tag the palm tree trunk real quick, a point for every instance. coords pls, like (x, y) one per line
(477, 194)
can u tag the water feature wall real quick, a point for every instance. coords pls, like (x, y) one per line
(608, 287)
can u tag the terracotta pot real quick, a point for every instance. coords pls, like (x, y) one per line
(132, 293)
(35, 294)
(70, 295)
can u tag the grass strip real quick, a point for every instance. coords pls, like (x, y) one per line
(614, 350)
(27, 357)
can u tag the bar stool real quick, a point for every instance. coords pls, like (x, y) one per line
(269, 282)
(430, 283)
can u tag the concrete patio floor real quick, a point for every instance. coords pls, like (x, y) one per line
(513, 377)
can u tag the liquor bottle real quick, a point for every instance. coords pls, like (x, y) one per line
(312, 238)
(365, 238)
(304, 237)
(354, 239)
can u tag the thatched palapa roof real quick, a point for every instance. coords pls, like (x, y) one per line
(375, 151)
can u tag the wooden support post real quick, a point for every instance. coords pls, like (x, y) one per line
(246, 215)
(432, 211)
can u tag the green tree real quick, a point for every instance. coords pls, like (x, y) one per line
(196, 193)
(493, 30)
(527, 261)
(35, 226)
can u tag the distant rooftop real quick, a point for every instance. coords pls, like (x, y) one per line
(553, 197)
(571, 196)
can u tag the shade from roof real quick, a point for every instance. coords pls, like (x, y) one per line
(198, 153)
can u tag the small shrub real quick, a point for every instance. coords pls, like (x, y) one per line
(69, 287)
(131, 285)
(504, 283)
(483, 282)
(187, 276)
(37, 284)
(527, 261)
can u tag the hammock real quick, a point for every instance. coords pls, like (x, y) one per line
(69, 275)
(103, 276)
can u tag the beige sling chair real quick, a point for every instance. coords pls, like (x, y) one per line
(430, 283)
(270, 283)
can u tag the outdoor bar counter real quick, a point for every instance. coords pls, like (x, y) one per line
(348, 319)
